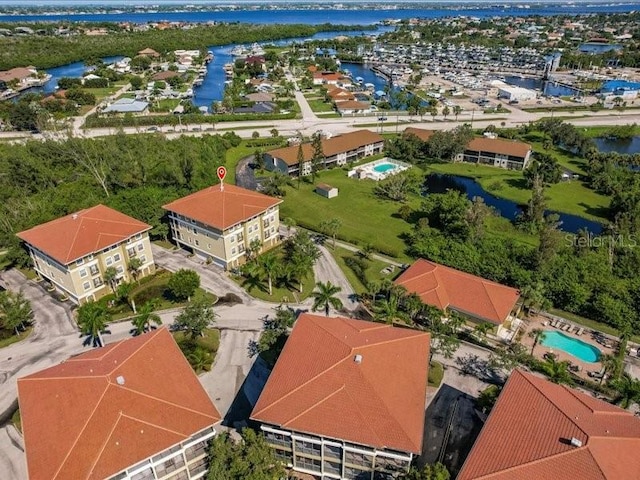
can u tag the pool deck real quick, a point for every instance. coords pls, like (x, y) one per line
(586, 337)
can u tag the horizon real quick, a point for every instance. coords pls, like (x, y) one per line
(203, 3)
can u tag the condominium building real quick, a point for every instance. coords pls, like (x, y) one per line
(346, 398)
(74, 251)
(132, 410)
(220, 223)
(337, 151)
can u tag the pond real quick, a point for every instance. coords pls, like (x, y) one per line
(626, 146)
(548, 88)
(439, 183)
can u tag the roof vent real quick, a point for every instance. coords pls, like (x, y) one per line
(120, 381)
(575, 442)
(74, 216)
(358, 359)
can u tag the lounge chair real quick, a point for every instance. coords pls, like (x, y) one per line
(553, 323)
(565, 327)
(580, 331)
(571, 328)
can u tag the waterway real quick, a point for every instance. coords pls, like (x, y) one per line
(438, 183)
(626, 146)
(548, 88)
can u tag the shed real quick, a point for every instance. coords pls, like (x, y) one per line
(326, 191)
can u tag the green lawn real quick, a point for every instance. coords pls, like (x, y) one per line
(209, 342)
(17, 420)
(436, 373)
(365, 218)
(373, 272)
(166, 245)
(319, 105)
(5, 342)
(101, 93)
(165, 105)
(569, 197)
(280, 293)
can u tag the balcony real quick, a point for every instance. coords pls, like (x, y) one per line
(131, 252)
(94, 270)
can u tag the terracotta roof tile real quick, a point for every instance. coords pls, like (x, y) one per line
(330, 146)
(422, 133)
(224, 208)
(80, 423)
(317, 387)
(445, 287)
(88, 231)
(528, 436)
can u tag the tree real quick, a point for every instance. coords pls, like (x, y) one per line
(249, 459)
(184, 283)
(146, 317)
(93, 319)
(556, 371)
(538, 335)
(301, 162)
(258, 158)
(330, 228)
(482, 329)
(269, 265)
(134, 267)
(275, 334)
(123, 293)
(399, 187)
(195, 317)
(457, 110)
(255, 135)
(325, 297)
(445, 112)
(628, 389)
(610, 366)
(436, 471)
(476, 214)
(253, 250)
(388, 310)
(136, 82)
(15, 311)
(274, 132)
(110, 276)
(317, 156)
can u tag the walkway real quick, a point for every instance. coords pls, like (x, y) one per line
(326, 269)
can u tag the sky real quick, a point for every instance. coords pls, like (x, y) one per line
(130, 3)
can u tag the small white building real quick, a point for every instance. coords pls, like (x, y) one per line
(326, 191)
(513, 93)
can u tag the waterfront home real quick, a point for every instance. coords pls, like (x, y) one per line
(446, 288)
(338, 150)
(346, 398)
(219, 223)
(351, 107)
(330, 78)
(22, 77)
(127, 105)
(164, 76)
(542, 430)
(73, 252)
(130, 410)
(337, 94)
(497, 152)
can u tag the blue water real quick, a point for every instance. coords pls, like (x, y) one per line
(623, 146)
(615, 85)
(359, 70)
(365, 16)
(384, 167)
(598, 47)
(437, 183)
(548, 88)
(573, 346)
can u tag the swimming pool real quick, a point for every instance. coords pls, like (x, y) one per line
(573, 346)
(384, 167)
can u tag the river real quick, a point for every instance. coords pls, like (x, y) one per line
(437, 183)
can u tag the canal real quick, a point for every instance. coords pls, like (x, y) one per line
(625, 146)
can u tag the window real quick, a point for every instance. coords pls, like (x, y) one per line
(332, 451)
(308, 448)
(90, 257)
(83, 272)
(209, 246)
(250, 229)
(93, 269)
(233, 239)
(131, 252)
(233, 251)
(240, 248)
(197, 243)
(97, 282)
(196, 450)
(140, 247)
(109, 261)
(312, 464)
(143, 258)
(120, 269)
(171, 465)
(116, 257)
(129, 240)
(86, 286)
(195, 231)
(80, 261)
(330, 467)
(198, 466)
(146, 474)
(138, 236)
(240, 237)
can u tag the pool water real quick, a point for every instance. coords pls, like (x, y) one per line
(384, 167)
(573, 346)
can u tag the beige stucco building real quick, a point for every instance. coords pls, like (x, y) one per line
(74, 251)
(220, 223)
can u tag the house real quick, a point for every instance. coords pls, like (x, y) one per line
(164, 76)
(541, 430)
(350, 107)
(329, 78)
(131, 410)
(220, 222)
(326, 191)
(73, 252)
(148, 52)
(340, 94)
(446, 288)
(127, 105)
(259, 97)
(346, 398)
(337, 150)
(497, 152)
(422, 133)
(20, 75)
(261, 107)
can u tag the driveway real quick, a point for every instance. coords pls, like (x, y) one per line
(326, 269)
(245, 176)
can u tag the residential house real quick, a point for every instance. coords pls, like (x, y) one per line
(422, 133)
(542, 430)
(338, 150)
(164, 76)
(130, 410)
(350, 107)
(259, 97)
(338, 94)
(148, 52)
(330, 78)
(220, 222)
(256, 60)
(127, 105)
(22, 76)
(74, 251)
(446, 288)
(346, 398)
(497, 152)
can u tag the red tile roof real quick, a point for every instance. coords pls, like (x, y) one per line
(222, 208)
(445, 287)
(422, 133)
(528, 436)
(317, 386)
(88, 231)
(80, 423)
(499, 145)
(330, 146)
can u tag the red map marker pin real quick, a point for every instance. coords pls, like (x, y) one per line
(222, 172)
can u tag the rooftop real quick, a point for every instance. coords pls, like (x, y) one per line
(445, 287)
(110, 408)
(422, 133)
(351, 380)
(74, 236)
(530, 431)
(499, 145)
(124, 105)
(222, 208)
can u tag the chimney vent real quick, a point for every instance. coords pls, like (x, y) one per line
(120, 380)
(575, 442)
(358, 359)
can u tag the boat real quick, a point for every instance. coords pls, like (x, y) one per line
(359, 80)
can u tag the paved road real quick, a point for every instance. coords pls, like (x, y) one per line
(327, 270)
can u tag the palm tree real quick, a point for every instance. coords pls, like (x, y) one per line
(134, 267)
(556, 371)
(324, 297)
(146, 316)
(610, 365)
(482, 329)
(199, 359)
(388, 311)
(628, 390)
(15, 311)
(538, 335)
(110, 275)
(330, 228)
(92, 320)
(457, 110)
(412, 304)
(269, 266)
